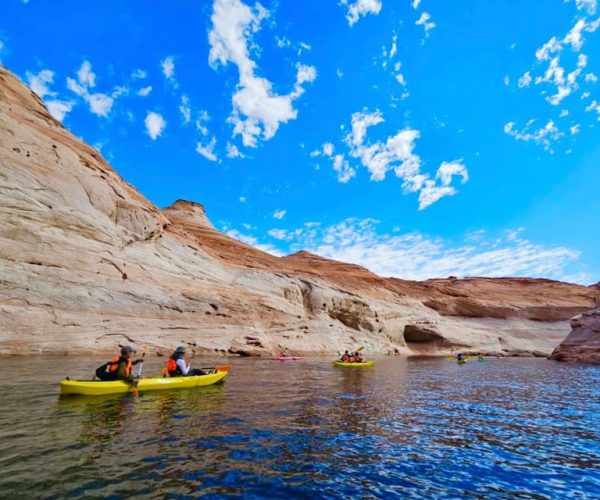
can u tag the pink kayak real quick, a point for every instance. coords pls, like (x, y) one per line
(286, 358)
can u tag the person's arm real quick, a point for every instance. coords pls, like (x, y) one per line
(182, 366)
(121, 372)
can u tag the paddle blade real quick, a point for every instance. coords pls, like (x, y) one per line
(223, 368)
(360, 349)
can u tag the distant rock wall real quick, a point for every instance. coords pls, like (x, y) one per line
(87, 263)
(583, 343)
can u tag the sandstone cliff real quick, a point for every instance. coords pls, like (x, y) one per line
(86, 262)
(583, 343)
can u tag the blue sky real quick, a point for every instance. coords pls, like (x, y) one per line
(417, 138)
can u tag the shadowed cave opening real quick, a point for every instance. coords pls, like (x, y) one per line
(414, 334)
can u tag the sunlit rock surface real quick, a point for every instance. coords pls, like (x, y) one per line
(87, 263)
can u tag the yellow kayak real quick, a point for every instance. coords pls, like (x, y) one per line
(361, 365)
(97, 388)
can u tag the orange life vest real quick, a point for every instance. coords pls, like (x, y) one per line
(357, 359)
(346, 358)
(172, 368)
(114, 366)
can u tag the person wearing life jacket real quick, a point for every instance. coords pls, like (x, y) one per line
(357, 358)
(176, 366)
(346, 357)
(119, 368)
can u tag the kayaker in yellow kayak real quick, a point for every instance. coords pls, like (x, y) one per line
(176, 366)
(119, 368)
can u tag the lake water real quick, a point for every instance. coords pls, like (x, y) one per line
(526, 428)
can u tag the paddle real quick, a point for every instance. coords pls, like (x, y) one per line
(139, 373)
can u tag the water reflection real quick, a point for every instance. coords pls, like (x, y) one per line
(403, 428)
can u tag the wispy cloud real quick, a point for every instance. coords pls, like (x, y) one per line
(426, 22)
(360, 8)
(207, 149)
(279, 214)
(418, 256)
(394, 154)
(40, 84)
(168, 69)
(257, 110)
(253, 242)
(144, 91)
(543, 136)
(99, 103)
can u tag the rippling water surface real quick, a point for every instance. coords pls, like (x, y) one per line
(504, 428)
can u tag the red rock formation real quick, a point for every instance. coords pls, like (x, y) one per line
(583, 343)
(87, 262)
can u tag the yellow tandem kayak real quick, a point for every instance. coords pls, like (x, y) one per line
(97, 388)
(361, 365)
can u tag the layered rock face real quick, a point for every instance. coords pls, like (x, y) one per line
(87, 263)
(583, 343)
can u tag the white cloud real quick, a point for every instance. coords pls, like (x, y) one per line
(278, 234)
(144, 91)
(525, 80)
(59, 109)
(339, 73)
(208, 150)
(591, 77)
(100, 104)
(40, 83)
(253, 242)
(543, 136)
(575, 129)
(588, 5)
(328, 149)
(343, 169)
(388, 57)
(415, 4)
(155, 124)
(257, 111)
(594, 106)
(418, 256)
(139, 74)
(201, 122)
(86, 76)
(168, 70)
(394, 154)
(279, 214)
(506, 80)
(563, 113)
(242, 199)
(555, 74)
(433, 191)
(185, 109)
(232, 151)
(425, 21)
(360, 8)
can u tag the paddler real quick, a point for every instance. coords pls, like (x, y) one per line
(119, 368)
(346, 357)
(176, 366)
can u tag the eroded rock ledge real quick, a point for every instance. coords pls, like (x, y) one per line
(583, 343)
(86, 263)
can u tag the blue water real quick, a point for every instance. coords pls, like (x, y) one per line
(509, 428)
